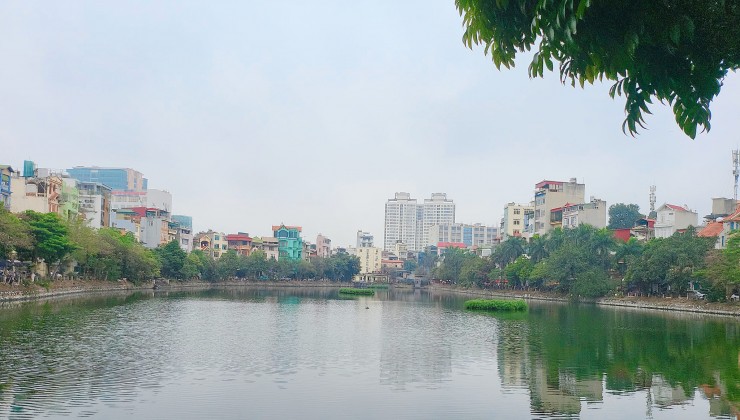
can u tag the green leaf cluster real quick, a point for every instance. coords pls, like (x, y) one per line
(675, 52)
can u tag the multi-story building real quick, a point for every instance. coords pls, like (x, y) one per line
(184, 236)
(95, 201)
(470, 235)
(38, 190)
(592, 213)
(436, 211)
(290, 243)
(513, 223)
(401, 221)
(401, 250)
(370, 259)
(672, 218)
(408, 221)
(69, 202)
(182, 220)
(127, 220)
(212, 243)
(364, 239)
(240, 242)
(323, 246)
(553, 194)
(156, 228)
(159, 199)
(121, 179)
(270, 246)
(184, 232)
(121, 199)
(6, 173)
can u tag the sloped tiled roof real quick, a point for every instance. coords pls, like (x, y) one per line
(711, 230)
(734, 217)
(677, 208)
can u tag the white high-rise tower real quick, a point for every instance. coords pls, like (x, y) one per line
(401, 220)
(437, 211)
(408, 222)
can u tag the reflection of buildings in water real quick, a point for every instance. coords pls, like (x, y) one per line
(513, 353)
(519, 367)
(414, 349)
(564, 395)
(664, 394)
(718, 405)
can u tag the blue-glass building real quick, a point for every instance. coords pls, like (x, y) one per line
(121, 179)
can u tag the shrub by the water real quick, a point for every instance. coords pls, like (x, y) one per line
(353, 291)
(496, 305)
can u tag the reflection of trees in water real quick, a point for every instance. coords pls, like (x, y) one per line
(569, 353)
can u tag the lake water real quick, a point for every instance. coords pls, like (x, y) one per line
(307, 353)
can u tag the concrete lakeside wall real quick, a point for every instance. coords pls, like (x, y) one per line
(37, 292)
(26, 293)
(676, 305)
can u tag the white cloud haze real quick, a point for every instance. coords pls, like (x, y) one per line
(315, 113)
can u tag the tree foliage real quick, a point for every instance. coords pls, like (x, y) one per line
(15, 234)
(623, 216)
(669, 265)
(51, 242)
(677, 52)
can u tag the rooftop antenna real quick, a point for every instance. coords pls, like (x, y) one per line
(652, 198)
(736, 168)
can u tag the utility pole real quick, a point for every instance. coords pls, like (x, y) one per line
(736, 169)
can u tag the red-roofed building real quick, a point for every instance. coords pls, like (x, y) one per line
(672, 218)
(240, 242)
(443, 246)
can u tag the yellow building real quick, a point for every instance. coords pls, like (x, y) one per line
(371, 259)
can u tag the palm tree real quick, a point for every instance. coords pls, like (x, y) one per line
(537, 249)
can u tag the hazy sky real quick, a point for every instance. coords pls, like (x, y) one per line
(315, 113)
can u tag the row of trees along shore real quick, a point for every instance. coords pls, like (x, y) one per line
(71, 249)
(589, 263)
(585, 261)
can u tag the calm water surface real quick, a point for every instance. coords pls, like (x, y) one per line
(307, 353)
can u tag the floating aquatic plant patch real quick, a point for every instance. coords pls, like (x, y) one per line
(354, 291)
(496, 305)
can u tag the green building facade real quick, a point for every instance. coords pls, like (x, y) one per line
(290, 244)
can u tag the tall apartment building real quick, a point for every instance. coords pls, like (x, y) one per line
(549, 195)
(513, 223)
(364, 239)
(122, 179)
(436, 211)
(470, 235)
(401, 221)
(408, 221)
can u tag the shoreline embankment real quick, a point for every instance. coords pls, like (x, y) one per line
(68, 287)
